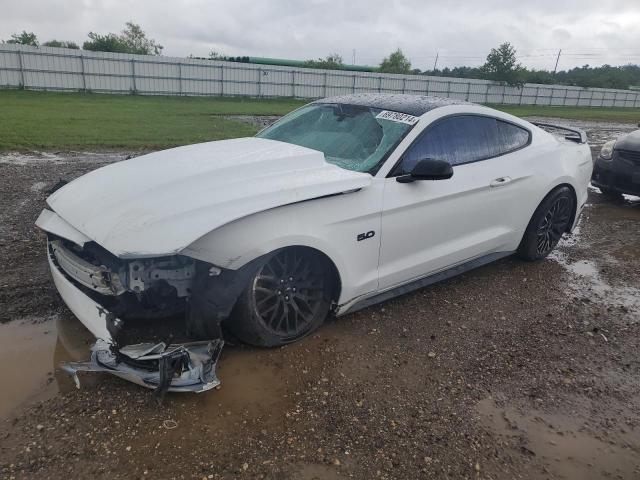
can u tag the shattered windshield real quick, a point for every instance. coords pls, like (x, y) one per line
(350, 136)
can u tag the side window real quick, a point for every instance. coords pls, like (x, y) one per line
(511, 137)
(465, 138)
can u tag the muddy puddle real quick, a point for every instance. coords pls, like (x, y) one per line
(597, 279)
(253, 389)
(31, 351)
(566, 444)
(626, 210)
(585, 280)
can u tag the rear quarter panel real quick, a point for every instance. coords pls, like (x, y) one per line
(557, 162)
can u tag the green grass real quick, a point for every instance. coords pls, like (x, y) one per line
(64, 121)
(68, 121)
(605, 114)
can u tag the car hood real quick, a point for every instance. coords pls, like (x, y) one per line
(631, 141)
(158, 204)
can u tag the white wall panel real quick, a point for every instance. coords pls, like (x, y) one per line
(64, 69)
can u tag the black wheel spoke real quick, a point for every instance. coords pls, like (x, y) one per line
(303, 296)
(285, 317)
(268, 268)
(271, 308)
(290, 261)
(267, 298)
(556, 233)
(274, 315)
(267, 278)
(264, 290)
(282, 264)
(303, 271)
(295, 315)
(297, 263)
(305, 306)
(281, 317)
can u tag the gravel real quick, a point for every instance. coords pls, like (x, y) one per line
(513, 370)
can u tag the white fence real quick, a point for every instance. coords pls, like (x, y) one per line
(47, 68)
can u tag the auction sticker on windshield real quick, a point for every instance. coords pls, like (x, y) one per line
(397, 117)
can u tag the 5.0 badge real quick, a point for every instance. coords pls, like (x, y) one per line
(364, 236)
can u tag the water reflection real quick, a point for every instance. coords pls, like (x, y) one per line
(30, 351)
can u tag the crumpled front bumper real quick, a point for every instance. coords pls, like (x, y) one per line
(189, 367)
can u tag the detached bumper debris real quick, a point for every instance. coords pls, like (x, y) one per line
(188, 367)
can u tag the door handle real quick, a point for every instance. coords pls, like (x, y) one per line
(500, 182)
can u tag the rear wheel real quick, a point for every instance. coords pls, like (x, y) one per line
(288, 298)
(549, 222)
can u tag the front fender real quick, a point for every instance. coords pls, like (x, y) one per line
(234, 254)
(330, 225)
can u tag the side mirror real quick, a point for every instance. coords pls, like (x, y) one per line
(428, 169)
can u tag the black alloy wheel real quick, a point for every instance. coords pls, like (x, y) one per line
(549, 222)
(553, 224)
(286, 299)
(287, 293)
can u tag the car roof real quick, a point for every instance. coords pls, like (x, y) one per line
(415, 105)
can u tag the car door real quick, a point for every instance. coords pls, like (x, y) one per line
(428, 226)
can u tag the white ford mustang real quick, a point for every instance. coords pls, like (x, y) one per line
(343, 203)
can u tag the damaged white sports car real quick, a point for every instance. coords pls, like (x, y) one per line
(343, 203)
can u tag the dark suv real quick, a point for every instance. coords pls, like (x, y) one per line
(617, 168)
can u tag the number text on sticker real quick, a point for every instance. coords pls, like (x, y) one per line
(397, 117)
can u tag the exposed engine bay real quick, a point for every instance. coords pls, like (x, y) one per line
(129, 294)
(154, 282)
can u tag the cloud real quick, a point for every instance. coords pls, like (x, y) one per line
(462, 32)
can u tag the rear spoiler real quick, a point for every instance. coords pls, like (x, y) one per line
(575, 134)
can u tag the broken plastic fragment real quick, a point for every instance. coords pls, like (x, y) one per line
(142, 349)
(188, 367)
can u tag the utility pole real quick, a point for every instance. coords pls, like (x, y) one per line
(435, 64)
(353, 62)
(555, 69)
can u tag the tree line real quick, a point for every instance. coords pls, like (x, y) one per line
(501, 64)
(132, 39)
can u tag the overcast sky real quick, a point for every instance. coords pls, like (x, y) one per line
(587, 31)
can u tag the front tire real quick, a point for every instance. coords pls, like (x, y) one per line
(285, 300)
(547, 225)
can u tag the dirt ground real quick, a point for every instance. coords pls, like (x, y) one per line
(513, 370)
